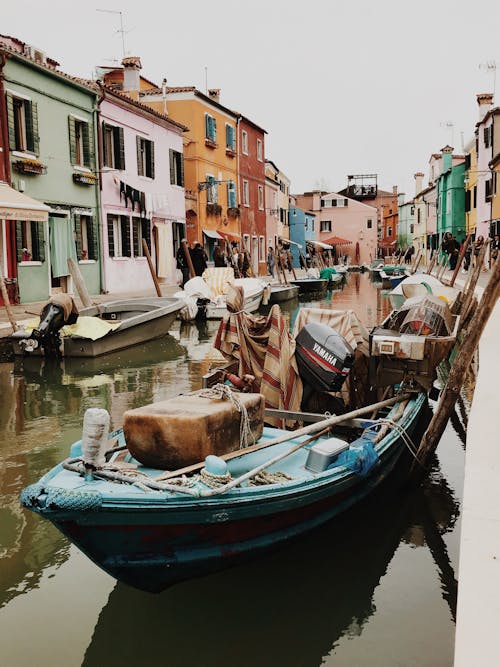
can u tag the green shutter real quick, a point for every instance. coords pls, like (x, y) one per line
(105, 156)
(92, 239)
(151, 159)
(207, 126)
(88, 145)
(10, 122)
(140, 171)
(78, 235)
(31, 119)
(72, 139)
(181, 161)
(111, 237)
(19, 240)
(231, 195)
(119, 145)
(171, 157)
(38, 236)
(214, 129)
(228, 136)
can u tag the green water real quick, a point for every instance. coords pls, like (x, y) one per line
(375, 587)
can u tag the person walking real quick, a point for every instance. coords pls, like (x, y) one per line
(199, 259)
(450, 246)
(478, 244)
(182, 263)
(270, 261)
(219, 256)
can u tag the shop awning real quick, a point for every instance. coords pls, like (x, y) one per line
(212, 234)
(230, 236)
(320, 244)
(15, 205)
(386, 244)
(283, 240)
(336, 240)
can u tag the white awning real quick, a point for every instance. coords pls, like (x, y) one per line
(321, 244)
(212, 234)
(291, 242)
(15, 205)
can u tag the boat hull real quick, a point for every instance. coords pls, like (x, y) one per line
(310, 285)
(218, 311)
(281, 293)
(156, 543)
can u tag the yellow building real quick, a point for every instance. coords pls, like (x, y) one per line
(210, 161)
(470, 187)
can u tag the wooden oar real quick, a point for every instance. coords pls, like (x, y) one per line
(289, 435)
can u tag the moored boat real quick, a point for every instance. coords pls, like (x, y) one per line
(281, 293)
(310, 285)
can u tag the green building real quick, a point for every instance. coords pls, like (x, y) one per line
(52, 144)
(450, 187)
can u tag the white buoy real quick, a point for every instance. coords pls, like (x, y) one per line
(95, 437)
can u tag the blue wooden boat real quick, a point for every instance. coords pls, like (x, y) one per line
(153, 534)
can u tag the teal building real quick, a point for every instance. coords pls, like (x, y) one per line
(450, 188)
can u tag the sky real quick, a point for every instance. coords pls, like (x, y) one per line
(342, 87)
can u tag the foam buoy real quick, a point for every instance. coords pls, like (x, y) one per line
(95, 437)
(214, 465)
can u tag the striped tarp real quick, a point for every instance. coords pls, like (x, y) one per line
(263, 348)
(217, 279)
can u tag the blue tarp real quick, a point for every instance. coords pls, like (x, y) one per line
(360, 457)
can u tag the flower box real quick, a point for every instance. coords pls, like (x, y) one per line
(84, 178)
(214, 209)
(210, 143)
(233, 212)
(29, 166)
(230, 152)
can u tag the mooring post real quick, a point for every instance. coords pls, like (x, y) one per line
(457, 374)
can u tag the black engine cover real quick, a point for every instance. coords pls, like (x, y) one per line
(323, 356)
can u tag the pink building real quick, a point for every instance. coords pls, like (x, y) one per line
(142, 198)
(339, 217)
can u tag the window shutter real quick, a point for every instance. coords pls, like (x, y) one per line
(486, 136)
(119, 146)
(19, 240)
(10, 121)
(38, 237)
(151, 159)
(138, 142)
(111, 237)
(78, 235)
(31, 116)
(146, 232)
(72, 139)
(136, 226)
(105, 156)
(231, 194)
(172, 165)
(207, 126)
(92, 238)
(126, 246)
(214, 129)
(181, 162)
(88, 146)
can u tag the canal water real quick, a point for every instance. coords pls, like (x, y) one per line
(374, 587)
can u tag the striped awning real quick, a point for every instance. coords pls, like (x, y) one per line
(15, 205)
(230, 236)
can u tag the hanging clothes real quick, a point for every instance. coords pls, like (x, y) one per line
(161, 248)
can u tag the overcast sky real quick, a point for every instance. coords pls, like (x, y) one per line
(349, 87)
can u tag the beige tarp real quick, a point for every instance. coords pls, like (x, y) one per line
(345, 322)
(15, 205)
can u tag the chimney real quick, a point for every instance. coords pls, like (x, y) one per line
(485, 102)
(418, 182)
(446, 159)
(214, 94)
(132, 75)
(395, 190)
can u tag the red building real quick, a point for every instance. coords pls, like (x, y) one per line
(251, 181)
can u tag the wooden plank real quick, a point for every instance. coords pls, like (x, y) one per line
(151, 267)
(80, 285)
(5, 297)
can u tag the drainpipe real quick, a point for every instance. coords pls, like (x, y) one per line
(102, 263)
(10, 234)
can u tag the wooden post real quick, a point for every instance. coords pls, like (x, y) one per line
(469, 294)
(5, 297)
(280, 262)
(189, 261)
(457, 373)
(80, 285)
(431, 264)
(151, 267)
(289, 256)
(418, 259)
(460, 259)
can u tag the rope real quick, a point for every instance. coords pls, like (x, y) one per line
(410, 445)
(214, 481)
(223, 391)
(265, 477)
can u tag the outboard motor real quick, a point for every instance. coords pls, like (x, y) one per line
(324, 358)
(54, 315)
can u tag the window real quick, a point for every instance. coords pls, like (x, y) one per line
(262, 250)
(119, 236)
(176, 168)
(312, 225)
(86, 237)
(244, 142)
(113, 147)
(230, 138)
(210, 129)
(369, 223)
(141, 229)
(325, 226)
(261, 197)
(488, 136)
(246, 196)
(30, 246)
(475, 196)
(389, 231)
(467, 200)
(231, 195)
(418, 215)
(22, 117)
(212, 192)
(259, 150)
(412, 227)
(145, 157)
(448, 202)
(81, 142)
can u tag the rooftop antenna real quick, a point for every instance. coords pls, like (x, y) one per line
(490, 67)
(206, 80)
(449, 124)
(121, 30)
(164, 94)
